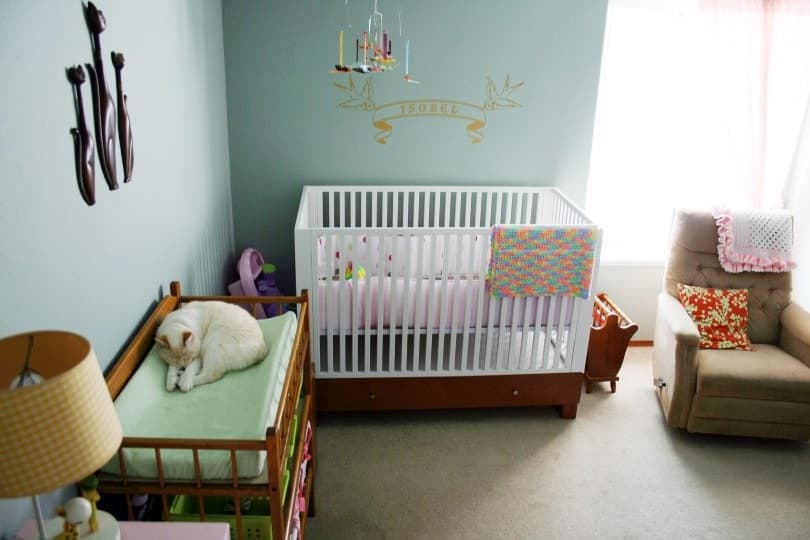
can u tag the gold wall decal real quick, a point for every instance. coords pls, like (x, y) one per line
(474, 115)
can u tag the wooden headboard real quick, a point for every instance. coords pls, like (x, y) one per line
(140, 345)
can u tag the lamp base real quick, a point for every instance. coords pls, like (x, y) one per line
(107, 529)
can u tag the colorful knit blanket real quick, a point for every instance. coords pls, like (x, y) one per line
(541, 260)
(754, 240)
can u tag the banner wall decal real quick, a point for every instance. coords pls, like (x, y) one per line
(472, 115)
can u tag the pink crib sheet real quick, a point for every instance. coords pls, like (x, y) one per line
(426, 303)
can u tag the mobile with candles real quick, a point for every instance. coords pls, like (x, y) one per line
(373, 49)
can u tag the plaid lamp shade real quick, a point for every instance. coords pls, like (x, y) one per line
(60, 430)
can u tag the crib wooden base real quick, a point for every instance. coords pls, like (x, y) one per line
(399, 393)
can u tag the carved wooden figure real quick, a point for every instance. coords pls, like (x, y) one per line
(84, 150)
(103, 106)
(124, 126)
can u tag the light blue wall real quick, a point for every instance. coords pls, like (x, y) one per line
(96, 270)
(287, 131)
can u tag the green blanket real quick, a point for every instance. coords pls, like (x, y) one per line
(241, 405)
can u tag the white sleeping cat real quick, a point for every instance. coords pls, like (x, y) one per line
(202, 340)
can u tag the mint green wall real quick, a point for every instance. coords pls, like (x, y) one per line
(96, 270)
(287, 131)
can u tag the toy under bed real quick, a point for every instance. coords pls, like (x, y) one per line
(249, 435)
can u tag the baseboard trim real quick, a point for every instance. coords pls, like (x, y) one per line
(641, 343)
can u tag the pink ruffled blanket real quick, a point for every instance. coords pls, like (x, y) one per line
(754, 240)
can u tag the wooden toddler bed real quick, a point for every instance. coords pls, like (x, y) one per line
(403, 310)
(253, 453)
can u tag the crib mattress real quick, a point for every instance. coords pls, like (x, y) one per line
(241, 405)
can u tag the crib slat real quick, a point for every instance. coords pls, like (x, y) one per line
(508, 217)
(454, 271)
(524, 353)
(468, 202)
(569, 329)
(537, 347)
(417, 209)
(431, 311)
(501, 352)
(363, 209)
(397, 254)
(443, 300)
(328, 302)
(468, 304)
(343, 299)
(373, 261)
(480, 362)
(406, 196)
(341, 222)
(316, 308)
(380, 303)
(395, 214)
(494, 307)
(420, 291)
(548, 354)
(356, 301)
(406, 309)
(350, 203)
(559, 349)
(374, 216)
(384, 215)
(513, 350)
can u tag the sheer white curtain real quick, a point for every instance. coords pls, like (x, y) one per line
(701, 103)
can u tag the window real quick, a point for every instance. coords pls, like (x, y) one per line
(701, 104)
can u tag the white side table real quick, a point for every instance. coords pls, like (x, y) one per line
(139, 530)
(108, 529)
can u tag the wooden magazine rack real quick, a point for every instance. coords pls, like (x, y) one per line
(611, 331)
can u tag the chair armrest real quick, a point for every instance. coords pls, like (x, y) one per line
(675, 345)
(795, 335)
(677, 320)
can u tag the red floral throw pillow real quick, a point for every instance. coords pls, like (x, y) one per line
(721, 316)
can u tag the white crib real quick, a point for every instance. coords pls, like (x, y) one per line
(401, 314)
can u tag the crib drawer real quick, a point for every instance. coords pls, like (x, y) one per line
(400, 393)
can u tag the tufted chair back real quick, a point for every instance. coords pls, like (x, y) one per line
(693, 260)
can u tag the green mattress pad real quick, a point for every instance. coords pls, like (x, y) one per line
(241, 405)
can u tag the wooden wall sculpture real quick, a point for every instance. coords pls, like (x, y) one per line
(104, 115)
(124, 129)
(84, 150)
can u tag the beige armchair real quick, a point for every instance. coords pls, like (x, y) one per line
(764, 393)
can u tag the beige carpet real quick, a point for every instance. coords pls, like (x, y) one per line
(616, 471)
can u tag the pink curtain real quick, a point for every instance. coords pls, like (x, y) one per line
(701, 103)
(759, 53)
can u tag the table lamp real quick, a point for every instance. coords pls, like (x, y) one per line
(57, 419)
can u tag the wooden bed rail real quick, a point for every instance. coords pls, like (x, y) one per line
(235, 487)
(140, 345)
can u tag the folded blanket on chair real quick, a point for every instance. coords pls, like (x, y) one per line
(754, 240)
(541, 260)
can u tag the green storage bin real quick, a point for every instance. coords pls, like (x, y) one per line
(296, 421)
(256, 521)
